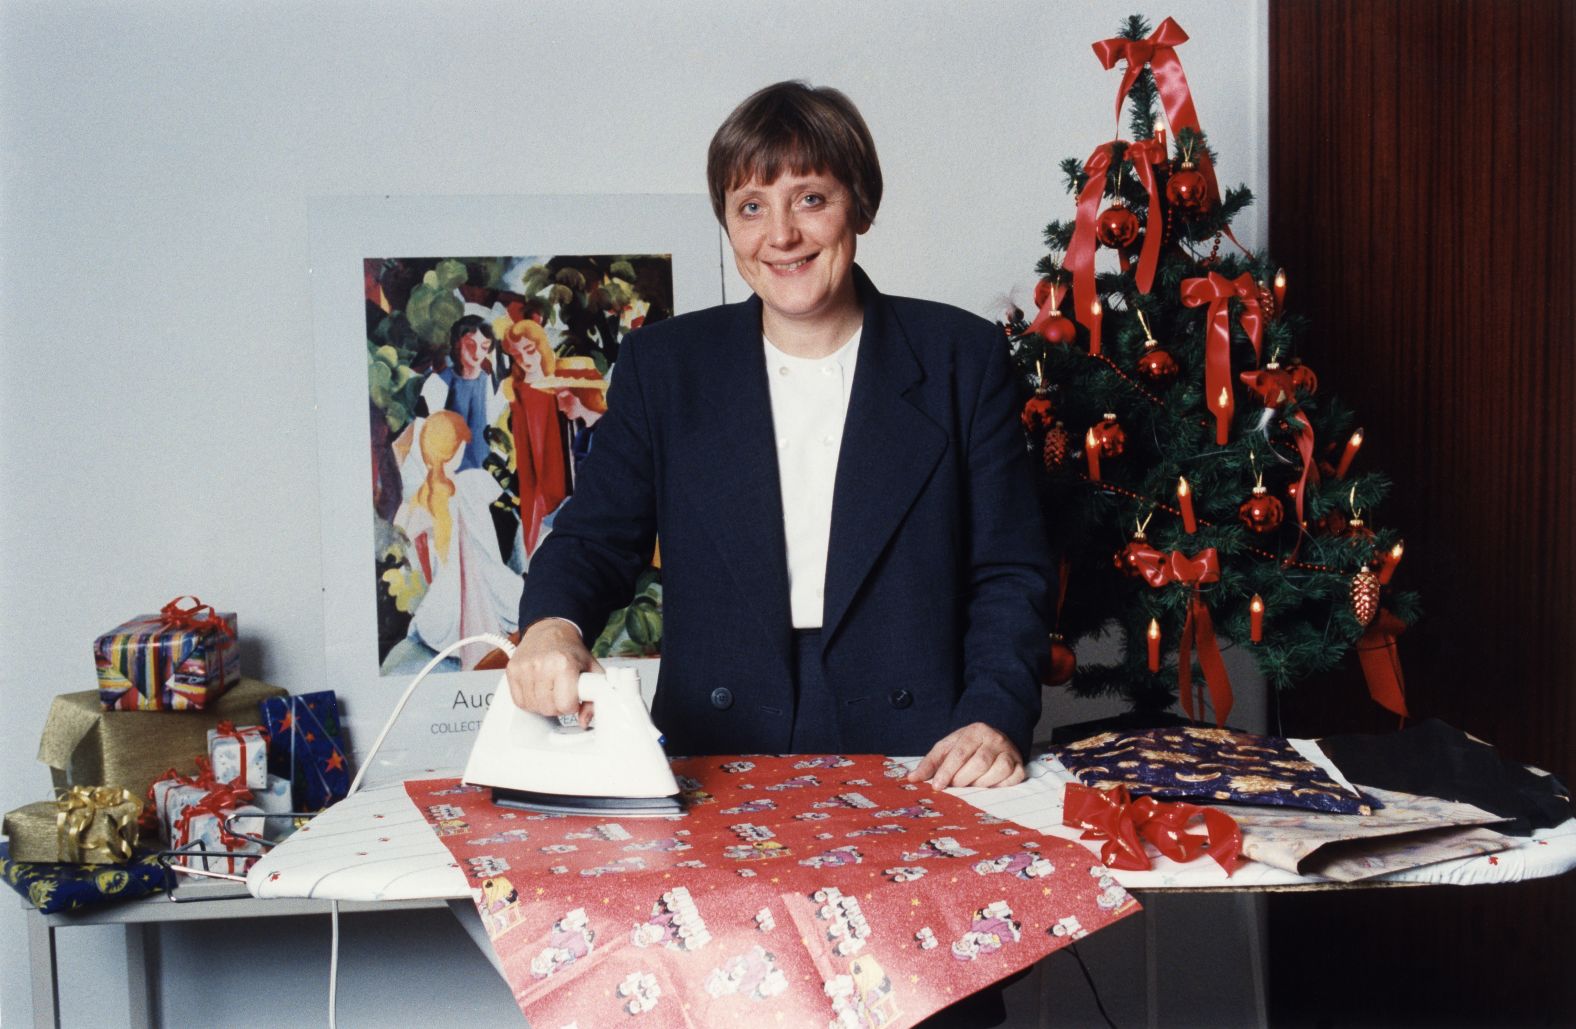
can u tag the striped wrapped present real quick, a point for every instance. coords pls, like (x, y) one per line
(179, 659)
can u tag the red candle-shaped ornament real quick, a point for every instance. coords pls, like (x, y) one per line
(1388, 562)
(1223, 419)
(1352, 446)
(1256, 619)
(1185, 501)
(1160, 135)
(1279, 290)
(1094, 330)
(1092, 452)
(1154, 645)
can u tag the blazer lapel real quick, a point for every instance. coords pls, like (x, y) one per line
(890, 448)
(733, 471)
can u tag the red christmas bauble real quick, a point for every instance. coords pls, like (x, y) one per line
(1063, 662)
(1302, 378)
(1332, 521)
(1261, 512)
(1117, 226)
(1109, 434)
(1365, 596)
(1187, 190)
(1042, 290)
(1356, 531)
(1158, 366)
(1038, 414)
(1126, 559)
(1057, 443)
(1059, 330)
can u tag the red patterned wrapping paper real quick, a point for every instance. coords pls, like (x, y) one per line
(800, 890)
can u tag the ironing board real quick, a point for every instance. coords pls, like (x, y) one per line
(376, 846)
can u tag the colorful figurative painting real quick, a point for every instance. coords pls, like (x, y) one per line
(486, 379)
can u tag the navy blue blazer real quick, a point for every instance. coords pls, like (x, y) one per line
(938, 579)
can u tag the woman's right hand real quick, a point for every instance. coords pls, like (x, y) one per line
(544, 673)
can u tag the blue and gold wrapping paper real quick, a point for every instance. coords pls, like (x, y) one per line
(307, 747)
(1209, 764)
(53, 888)
(149, 664)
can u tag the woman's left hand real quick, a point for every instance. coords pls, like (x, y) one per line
(975, 755)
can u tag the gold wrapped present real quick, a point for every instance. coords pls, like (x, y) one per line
(87, 826)
(88, 746)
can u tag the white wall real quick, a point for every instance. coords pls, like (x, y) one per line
(157, 428)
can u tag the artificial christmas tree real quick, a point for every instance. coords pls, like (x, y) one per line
(1213, 468)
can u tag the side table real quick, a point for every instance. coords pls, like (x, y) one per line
(198, 901)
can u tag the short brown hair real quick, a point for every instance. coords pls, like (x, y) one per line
(795, 127)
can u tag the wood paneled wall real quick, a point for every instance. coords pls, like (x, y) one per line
(1421, 180)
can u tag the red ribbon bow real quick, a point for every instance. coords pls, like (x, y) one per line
(1113, 816)
(1158, 51)
(1381, 662)
(220, 798)
(1159, 570)
(1218, 291)
(198, 616)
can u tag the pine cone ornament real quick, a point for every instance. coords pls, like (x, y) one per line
(1365, 596)
(1057, 443)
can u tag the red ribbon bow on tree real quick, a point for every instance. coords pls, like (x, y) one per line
(1381, 662)
(1111, 815)
(198, 616)
(1158, 51)
(1218, 291)
(1161, 569)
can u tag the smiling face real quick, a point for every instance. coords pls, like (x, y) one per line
(793, 241)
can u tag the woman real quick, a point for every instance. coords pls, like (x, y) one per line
(541, 461)
(469, 590)
(852, 557)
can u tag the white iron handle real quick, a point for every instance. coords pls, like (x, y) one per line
(593, 687)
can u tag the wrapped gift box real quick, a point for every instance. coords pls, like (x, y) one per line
(53, 888)
(87, 826)
(171, 797)
(218, 825)
(179, 659)
(307, 748)
(274, 799)
(239, 754)
(88, 746)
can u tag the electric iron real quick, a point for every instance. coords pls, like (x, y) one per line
(615, 767)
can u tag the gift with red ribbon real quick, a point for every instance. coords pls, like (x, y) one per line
(1125, 825)
(1218, 291)
(239, 755)
(182, 658)
(216, 829)
(1163, 569)
(173, 792)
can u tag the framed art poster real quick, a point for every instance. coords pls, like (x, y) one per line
(464, 348)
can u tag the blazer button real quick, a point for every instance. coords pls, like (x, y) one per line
(901, 699)
(722, 698)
